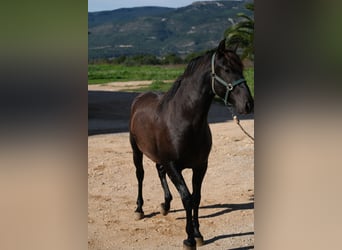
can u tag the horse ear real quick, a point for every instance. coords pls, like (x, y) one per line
(235, 47)
(222, 46)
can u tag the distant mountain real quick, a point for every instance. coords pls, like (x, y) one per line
(160, 31)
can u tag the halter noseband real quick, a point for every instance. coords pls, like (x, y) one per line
(229, 86)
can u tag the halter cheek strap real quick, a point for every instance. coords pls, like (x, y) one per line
(229, 86)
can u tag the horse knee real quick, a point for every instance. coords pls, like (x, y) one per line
(187, 202)
(140, 173)
(196, 200)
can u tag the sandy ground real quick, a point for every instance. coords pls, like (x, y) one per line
(227, 206)
(117, 86)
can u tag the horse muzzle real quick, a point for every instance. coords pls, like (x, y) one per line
(246, 108)
(249, 107)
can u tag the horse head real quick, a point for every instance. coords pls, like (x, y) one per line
(228, 81)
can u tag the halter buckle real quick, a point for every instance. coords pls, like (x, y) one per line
(230, 86)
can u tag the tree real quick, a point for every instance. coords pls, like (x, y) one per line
(172, 58)
(242, 34)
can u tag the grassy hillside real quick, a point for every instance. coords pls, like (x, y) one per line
(160, 31)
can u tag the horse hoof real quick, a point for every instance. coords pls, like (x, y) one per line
(199, 241)
(163, 211)
(188, 246)
(139, 215)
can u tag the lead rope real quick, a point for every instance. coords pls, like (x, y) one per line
(237, 121)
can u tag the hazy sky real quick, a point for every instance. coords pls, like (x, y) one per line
(99, 5)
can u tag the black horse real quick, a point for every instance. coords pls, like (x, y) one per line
(172, 128)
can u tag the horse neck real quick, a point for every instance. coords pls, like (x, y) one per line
(194, 96)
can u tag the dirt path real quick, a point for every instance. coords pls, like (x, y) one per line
(226, 210)
(117, 86)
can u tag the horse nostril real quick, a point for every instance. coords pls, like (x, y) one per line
(249, 107)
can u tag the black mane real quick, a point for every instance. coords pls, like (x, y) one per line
(233, 62)
(189, 70)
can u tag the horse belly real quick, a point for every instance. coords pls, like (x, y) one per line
(189, 148)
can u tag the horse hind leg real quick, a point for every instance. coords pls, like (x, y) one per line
(165, 206)
(138, 163)
(197, 180)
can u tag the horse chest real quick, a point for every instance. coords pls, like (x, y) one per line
(188, 146)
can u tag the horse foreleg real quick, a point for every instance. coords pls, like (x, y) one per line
(165, 207)
(178, 180)
(197, 179)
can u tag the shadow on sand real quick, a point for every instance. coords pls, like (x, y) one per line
(226, 208)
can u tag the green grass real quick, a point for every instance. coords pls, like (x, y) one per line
(104, 73)
(249, 76)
